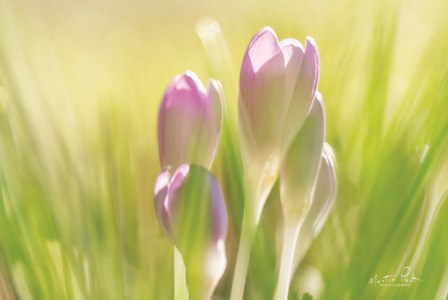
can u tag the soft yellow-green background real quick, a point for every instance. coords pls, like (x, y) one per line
(80, 85)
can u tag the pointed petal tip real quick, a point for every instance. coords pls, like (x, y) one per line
(265, 32)
(263, 46)
(291, 42)
(312, 52)
(193, 81)
(188, 81)
(265, 29)
(310, 41)
(161, 181)
(215, 85)
(328, 153)
(216, 97)
(179, 175)
(319, 97)
(318, 103)
(320, 100)
(292, 49)
(328, 149)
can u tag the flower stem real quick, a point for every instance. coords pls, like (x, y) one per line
(256, 191)
(180, 283)
(290, 236)
(242, 260)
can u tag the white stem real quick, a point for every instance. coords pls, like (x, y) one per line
(180, 282)
(290, 236)
(256, 190)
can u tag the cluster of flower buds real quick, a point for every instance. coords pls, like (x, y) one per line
(188, 199)
(282, 136)
(282, 133)
(278, 83)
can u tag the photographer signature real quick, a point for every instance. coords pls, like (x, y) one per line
(402, 279)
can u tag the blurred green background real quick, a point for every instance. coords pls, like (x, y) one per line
(80, 86)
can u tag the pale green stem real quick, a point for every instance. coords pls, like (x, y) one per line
(247, 235)
(180, 283)
(258, 182)
(290, 237)
(248, 230)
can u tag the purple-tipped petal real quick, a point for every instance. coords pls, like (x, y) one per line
(304, 91)
(312, 68)
(301, 165)
(165, 195)
(160, 195)
(188, 127)
(263, 47)
(261, 93)
(278, 81)
(190, 194)
(293, 54)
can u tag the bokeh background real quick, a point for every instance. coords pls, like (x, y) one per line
(80, 86)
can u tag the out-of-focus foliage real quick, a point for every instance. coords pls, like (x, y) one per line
(80, 85)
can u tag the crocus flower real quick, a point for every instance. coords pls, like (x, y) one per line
(278, 82)
(301, 166)
(297, 185)
(324, 197)
(190, 207)
(190, 122)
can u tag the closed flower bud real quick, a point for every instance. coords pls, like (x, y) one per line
(278, 82)
(191, 209)
(190, 122)
(298, 179)
(301, 165)
(324, 197)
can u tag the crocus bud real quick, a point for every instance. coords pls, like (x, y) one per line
(190, 207)
(190, 122)
(277, 85)
(324, 197)
(278, 82)
(301, 165)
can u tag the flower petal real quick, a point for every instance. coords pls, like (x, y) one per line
(293, 54)
(324, 198)
(200, 209)
(325, 193)
(301, 165)
(215, 117)
(310, 71)
(304, 91)
(165, 194)
(263, 47)
(185, 130)
(190, 207)
(261, 107)
(160, 196)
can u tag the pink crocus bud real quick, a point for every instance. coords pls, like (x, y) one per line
(191, 209)
(301, 166)
(324, 198)
(278, 83)
(190, 121)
